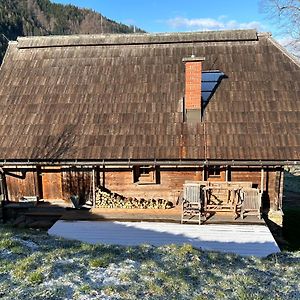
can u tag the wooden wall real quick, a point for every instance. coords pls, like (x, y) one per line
(76, 181)
(51, 183)
(169, 188)
(60, 183)
(20, 182)
(271, 182)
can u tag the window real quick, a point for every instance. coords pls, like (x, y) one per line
(145, 170)
(209, 84)
(214, 171)
(145, 174)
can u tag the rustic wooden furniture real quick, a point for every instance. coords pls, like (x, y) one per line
(223, 197)
(191, 204)
(251, 202)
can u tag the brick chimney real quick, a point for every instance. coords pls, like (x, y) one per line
(192, 98)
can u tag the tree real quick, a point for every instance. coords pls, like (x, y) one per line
(286, 14)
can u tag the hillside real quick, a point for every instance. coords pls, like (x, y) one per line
(42, 17)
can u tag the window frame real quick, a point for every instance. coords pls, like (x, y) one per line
(214, 171)
(145, 174)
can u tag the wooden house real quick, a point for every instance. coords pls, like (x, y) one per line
(142, 113)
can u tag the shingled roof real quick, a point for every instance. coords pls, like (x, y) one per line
(115, 97)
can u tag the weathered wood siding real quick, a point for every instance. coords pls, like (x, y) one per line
(52, 183)
(76, 181)
(170, 187)
(271, 186)
(171, 182)
(61, 183)
(20, 182)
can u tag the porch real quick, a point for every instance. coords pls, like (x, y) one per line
(216, 203)
(172, 215)
(45, 214)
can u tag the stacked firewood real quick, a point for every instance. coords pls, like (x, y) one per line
(107, 199)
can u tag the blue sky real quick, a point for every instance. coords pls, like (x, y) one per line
(179, 15)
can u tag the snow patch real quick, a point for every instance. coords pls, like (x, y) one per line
(28, 244)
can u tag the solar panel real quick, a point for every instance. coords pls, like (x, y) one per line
(209, 84)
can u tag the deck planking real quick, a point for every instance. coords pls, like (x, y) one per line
(172, 215)
(245, 240)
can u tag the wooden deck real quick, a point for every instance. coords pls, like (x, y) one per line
(46, 210)
(246, 240)
(172, 215)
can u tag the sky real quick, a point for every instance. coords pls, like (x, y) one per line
(178, 15)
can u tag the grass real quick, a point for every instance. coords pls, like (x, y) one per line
(45, 267)
(291, 228)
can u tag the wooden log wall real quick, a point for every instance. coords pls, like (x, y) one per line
(20, 182)
(50, 183)
(170, 187)
(78, 181)
(272, 185)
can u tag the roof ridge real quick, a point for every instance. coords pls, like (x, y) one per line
(136, 38)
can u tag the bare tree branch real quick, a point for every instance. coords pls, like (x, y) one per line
(286, 16)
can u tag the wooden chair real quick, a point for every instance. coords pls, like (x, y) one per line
(191, 204)
(251, 202)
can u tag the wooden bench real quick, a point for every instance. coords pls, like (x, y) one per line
(214, 196)
(224, 196)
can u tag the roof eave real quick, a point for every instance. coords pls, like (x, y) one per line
(132, 162)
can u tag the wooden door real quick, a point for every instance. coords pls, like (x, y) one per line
(52, 183)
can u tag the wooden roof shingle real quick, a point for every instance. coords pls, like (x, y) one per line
(98, 97)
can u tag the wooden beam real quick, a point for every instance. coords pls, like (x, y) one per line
(103, 176)
(226, 174)
(203, 173)
(98, 177)
(262, 179)
(4, 187)
(94, 188)
(1, 186)
(280, 195)
(38, 183)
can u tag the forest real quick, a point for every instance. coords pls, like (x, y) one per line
(42, 17)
